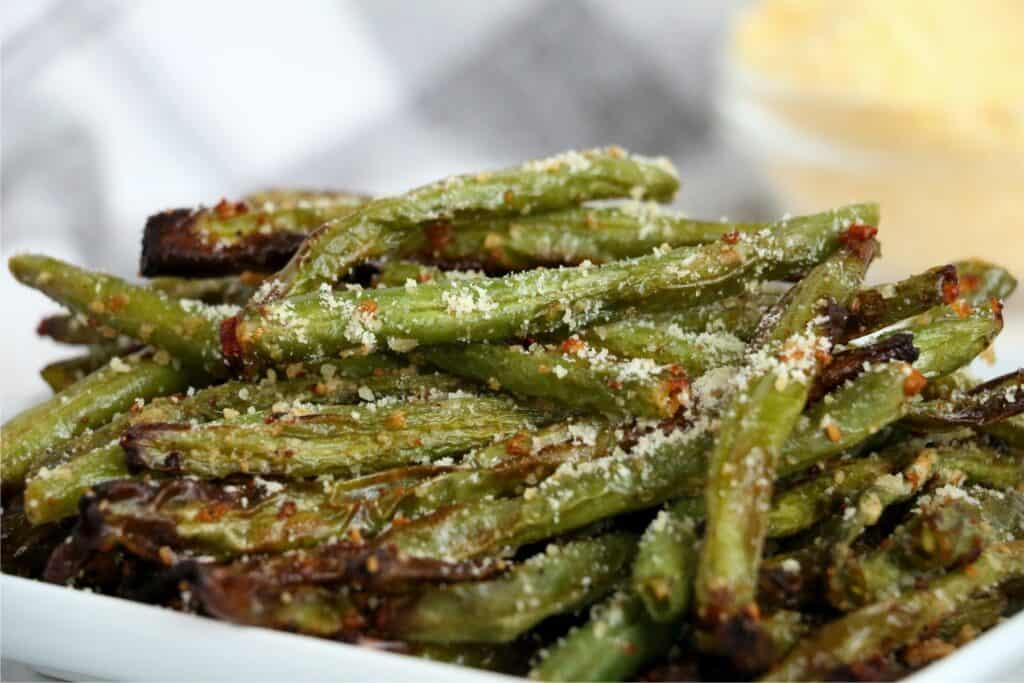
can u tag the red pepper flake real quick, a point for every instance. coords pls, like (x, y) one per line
(969, 282)
(230, 343)
(731, 237)
(212, 512)
(678, 385)
(543, 369)
(368, 306)
(287, 509)
(914, 383)
(378, 372)
(355, 536)
(226, 209)
(395, 420)
(822, 356)
(961, 308)
(424, 276)
(116, 302)
(951, 290)
(438, 234)
(859, 240)
(833, 433)
(858, 233)
(572, 345)
(519, 445)
(615, 384)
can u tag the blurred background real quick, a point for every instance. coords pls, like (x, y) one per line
(113, 110)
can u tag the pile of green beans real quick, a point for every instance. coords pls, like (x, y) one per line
(532, 421)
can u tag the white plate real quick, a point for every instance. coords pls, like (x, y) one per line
(78, 635)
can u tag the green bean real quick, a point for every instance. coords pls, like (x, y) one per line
(401, 273)
(657, 468)
(981, 464)
(510, 478)
(578, 431)
(946, 530)
(308, 609)
(770, 395)
(53, 494)
(560, 579)
(881, 306)
(949, 339)
(325, 383)
(736, 315)
(981, 613)
(61, 374)
(75, 330)
(381, 225)
(695, 352)
(253, 515)
(981, 281)
(233, 237)
(854, 412)
(1010, 430)
(881, 396)
(665, 560)
(78, 329)
(185, 329)
(90, 403)
(562, 237)
(801, 506)
(574, 375)
(797, 570)
(879, 628)
(617, 641)
(250, 515)
(531, 303)
(271, 198)
(328, 440)
(211, 290)
(983, 405)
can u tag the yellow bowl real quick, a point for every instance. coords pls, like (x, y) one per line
(943, 196)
